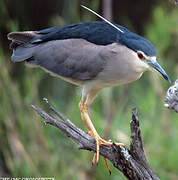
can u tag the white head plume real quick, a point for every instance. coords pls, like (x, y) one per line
(102, 18)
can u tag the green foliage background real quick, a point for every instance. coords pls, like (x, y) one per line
(28, 148)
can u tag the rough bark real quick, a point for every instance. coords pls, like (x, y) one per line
(172, 97)
(131, 162)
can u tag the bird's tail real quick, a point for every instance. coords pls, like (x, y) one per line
(19, 38)
(22, 48)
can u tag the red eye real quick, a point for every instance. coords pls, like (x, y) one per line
(140, 55)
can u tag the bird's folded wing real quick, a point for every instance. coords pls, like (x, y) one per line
(72, 58)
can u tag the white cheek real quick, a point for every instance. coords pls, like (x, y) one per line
(139, 64)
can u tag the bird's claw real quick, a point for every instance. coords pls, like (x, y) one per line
(99, 142)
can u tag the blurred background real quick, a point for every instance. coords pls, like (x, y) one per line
(28, 148)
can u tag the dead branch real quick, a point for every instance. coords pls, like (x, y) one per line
(172, 97)
(131, 162)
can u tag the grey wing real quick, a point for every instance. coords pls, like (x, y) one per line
(72, 58)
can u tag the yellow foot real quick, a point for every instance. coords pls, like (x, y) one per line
(99, 142)
(92, 132)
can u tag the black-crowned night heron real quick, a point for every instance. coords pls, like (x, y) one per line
(92, 55)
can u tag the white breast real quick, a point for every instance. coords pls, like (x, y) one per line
(122, 67)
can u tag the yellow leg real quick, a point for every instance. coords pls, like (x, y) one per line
(92, 131)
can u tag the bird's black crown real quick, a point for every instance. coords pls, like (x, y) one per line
(136, 42)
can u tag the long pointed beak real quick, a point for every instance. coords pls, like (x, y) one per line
(154, 64)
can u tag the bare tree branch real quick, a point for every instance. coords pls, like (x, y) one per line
(172, 97)
(174, 1)
(131, 162)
